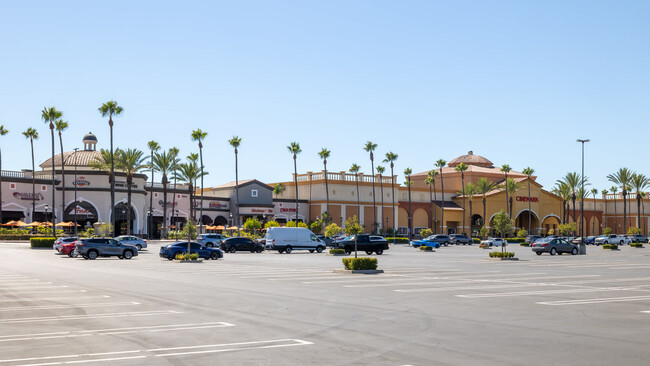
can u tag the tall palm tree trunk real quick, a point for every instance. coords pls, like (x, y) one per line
(638, 210)
(53, 184)
(173, 221)
(201, 213)
(112, 178)
(1, 222)
(129, 180)
(431, 199)
(530, 219)
(605, 210)
(164, 183)
(624, 211)
(374, 203)
(62, 177)
(442, 207)
(327, 192)
(484, 213)
(236, 189)
(615, 217)
(462, 182)
(434, 227)
(392, 178)
(470, 218)
(506, 184)
(295, 181)
(150, 224)
(381, 189)
(410, 220)
(33, 183)
(593, 220)
(356, 176)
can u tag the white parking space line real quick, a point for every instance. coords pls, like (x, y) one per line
(113, 331)
(156, 352)
(12, 288)
(89, 316)
(41, 299)
(66, 306)
(595, 301)
(463, 288)
(546, 292)
(44, 291)
(390, 277)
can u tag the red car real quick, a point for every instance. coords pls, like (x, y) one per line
(68, 248)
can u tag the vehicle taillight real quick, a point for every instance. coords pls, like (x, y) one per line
(273, 242)
(544, 245)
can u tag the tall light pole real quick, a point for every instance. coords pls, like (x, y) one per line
(47, 207)
(583, 248)
(75, 190)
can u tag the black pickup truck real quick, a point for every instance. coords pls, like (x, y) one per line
(365, 243)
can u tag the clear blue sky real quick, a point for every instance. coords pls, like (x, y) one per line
(514, 81)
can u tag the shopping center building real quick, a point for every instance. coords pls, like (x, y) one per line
(374, 204)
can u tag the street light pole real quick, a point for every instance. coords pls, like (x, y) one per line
(75, 190)
(47, 207)
(583, 248)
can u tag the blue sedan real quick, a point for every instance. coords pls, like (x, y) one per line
(425, 242)
(172, 250)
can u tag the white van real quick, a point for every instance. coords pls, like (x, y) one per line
(286, 239)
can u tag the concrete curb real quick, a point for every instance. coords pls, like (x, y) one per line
(359, 271)
(503, 259)
(190, 261)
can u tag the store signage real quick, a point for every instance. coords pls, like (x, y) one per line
(284, 209)
(28, 196)
(217, 205)
(123, 185)
(162, 202)
(81, 181)
(261, 210)
(81, 211)
(525, 199)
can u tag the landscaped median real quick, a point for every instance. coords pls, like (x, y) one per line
(503, 256)
(637, 245)
(610, 246)
(359, 265)
(425, 248)
(41, 242)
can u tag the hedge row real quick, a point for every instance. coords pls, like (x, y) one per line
(398, 240)
(41, 242)
(502, 254)
(636, 245)
(337, 251)
(360, 263)
(610, 246)
(423, 247)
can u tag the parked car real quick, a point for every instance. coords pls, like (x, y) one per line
(364, 242)
(428, 241)
(638, 238)
(63, 240)
(460, 239)
(232, 245)
(554, 246)
(104, 247)
(287, 239)
(210, 240)
(531, 238)
(328, 241)
(132, 240)
(68, 249)
(596, 241)
(442, 239)
(588, 240)
(612, 239)
(494, 242)
(172, 250)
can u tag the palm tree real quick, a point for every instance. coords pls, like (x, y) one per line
(614, 189)
(573, 182)
(278, 188)
(153, 147)
(163, 163)
(470, 190)
(639, 183)
(390, 158)
(235, 141)
(432, 174)
(505, 168)
(409, 183)
(562, 190)
(131, 161)
(511, 186)
(430, 182)
(623, 177)
(604, 193)
(380, 170)
(294, 149)
(103, 163)
(110, 109)
(51, 115)
(3, 132)
(440, 164)
(370, 147)
(355, 170)
(462, 167)
(174, 150)
(594, 192)
(61, 126)
(483, 187)
(198, 135)
(188, 172)
(324, 154)
(529, 171)
(32, 135)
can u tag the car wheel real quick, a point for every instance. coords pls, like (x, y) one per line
(311, 250)
(280, 251)
(120, 256)
(232, 249)
(368, 252)
(348, 251)
(605, 242)
(379, 251)
(139, 247)
(128, 254)
(574, 251)
(553, 251)
(621, 242)
(446, 243)
(288, 250)
(92, 254)
(319, 249)
(539, 253)
(85, 257)
(437, 245)
(214, 256)
(73, 254)
(258, 251)
(170, 258)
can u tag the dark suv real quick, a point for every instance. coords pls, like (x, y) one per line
(210, 240)
(234, 244)
(530, 239)
(442, 239)
(460, 239)
(638, 238)
(104, 247)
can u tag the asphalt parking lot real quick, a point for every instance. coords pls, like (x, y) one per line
(450, 307)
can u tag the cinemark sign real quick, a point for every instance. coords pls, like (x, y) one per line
(525, 199)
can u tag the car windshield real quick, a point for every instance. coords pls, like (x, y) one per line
(543, 240)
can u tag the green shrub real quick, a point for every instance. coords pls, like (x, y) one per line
(502, 254)
(398, 240)
(42, 242)
(15, 237)
(476, 240)
(607, 231)
(424, 247)
(515, 240)
(360, 263)
(187, 257)
(337, 251)
(524, 244)
(636, 245)
(425, 232)
(610, 246)
(522, 233)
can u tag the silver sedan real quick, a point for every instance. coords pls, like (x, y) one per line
(132, 240)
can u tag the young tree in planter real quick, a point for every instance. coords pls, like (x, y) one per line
(190, 229)
(331, 230)
(352, 227)
(502, 224)
(252, 224)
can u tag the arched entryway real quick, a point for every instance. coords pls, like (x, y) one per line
(550, 225)
(121, 222)
(522, 221)
(83, 213)
(476, 223)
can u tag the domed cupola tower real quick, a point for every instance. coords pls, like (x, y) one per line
(90, 142)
